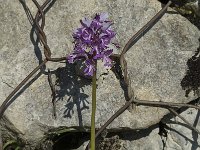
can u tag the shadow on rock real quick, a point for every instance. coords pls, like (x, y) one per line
(191, 81)
(68, 83)
(195, 134)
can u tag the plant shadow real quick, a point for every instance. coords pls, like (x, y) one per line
(191, 81)
(68, 83)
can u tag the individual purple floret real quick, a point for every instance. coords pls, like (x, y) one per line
(92, 42)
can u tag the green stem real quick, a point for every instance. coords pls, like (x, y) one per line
(93, 109)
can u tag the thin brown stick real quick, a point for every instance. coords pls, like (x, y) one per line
(163, 104)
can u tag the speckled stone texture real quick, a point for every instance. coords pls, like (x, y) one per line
(157, 64)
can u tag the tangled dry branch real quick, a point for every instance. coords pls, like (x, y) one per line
(119, 68)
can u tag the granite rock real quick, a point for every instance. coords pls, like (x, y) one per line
(157, 64)
(179, 135)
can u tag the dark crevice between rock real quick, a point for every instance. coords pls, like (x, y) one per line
(163, 133)
(176, 2)
(68, 141)
(63, 138)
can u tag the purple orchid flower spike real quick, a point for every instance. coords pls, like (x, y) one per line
(92, 42)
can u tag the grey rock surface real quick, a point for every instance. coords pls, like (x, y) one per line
(156, 63)
(179, 135)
